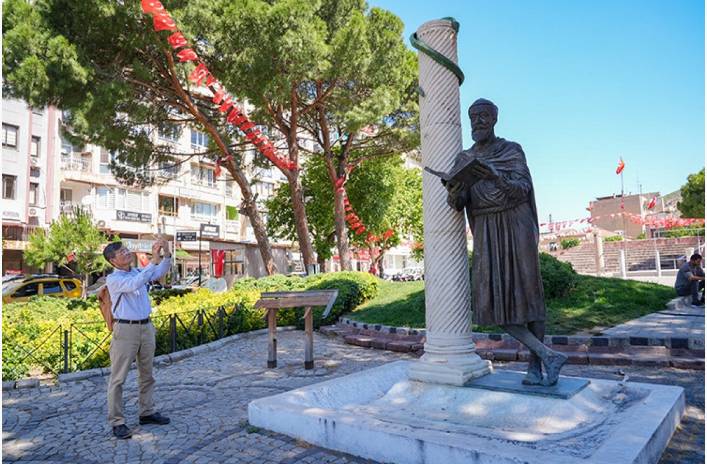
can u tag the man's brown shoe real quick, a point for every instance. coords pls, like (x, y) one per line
(155, 418)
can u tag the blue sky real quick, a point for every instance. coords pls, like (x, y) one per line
(580, 83)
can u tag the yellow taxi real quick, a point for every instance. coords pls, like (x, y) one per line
(23, 289)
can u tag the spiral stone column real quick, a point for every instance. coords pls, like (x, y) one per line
(450, 356)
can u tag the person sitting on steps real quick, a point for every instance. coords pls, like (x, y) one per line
(691, 280)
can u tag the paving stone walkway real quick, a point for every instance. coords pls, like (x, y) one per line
(678, 320)
(207, 395)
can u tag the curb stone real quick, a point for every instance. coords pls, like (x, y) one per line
(597, 340)
(8, 385)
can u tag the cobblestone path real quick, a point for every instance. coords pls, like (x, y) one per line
(206, 397)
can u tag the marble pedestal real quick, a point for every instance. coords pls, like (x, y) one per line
(381, 414)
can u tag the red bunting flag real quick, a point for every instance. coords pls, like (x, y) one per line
(651, 204)
(152, 7)
(621, 166)
(187, 55)
(217, 171)
(71, 257)
(177, 40)
(163, 22)
(199, 74)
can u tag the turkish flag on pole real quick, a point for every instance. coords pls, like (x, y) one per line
(621, 166)
(651, 204)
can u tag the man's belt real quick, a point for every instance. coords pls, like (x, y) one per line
(131, 321)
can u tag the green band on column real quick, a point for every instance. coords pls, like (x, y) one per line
(437, 56)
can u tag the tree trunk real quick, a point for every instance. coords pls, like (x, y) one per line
(342, 238)
(301, 225)
(322, 263)
(256, 221)
(84, 286)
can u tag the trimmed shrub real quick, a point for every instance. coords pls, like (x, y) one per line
(158, 296)
(559, 278)
(566, 243)
(354, 288)
(613, 238)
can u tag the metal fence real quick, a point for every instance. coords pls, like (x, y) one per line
(83, 345)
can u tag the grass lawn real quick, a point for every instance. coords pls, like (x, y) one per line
(595, 303)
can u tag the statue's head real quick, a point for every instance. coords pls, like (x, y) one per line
(483, 115)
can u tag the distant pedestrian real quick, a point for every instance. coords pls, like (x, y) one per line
(691, 280)
(133, 332)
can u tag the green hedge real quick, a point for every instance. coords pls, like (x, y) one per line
(37, 325)
(566, 243)
(559, 278)
(613, 238)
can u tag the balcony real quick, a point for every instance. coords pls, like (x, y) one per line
(76, 163)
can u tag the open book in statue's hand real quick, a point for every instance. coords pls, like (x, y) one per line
(466, 173)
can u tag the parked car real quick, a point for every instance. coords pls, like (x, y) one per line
(409, 274)
(48, 285)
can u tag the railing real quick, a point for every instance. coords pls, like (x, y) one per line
(85, 345)
(72, 163)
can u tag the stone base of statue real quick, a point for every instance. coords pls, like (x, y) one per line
(381, 414)
(449, 360)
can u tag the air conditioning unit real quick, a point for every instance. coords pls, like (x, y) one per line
(33, 211)
(101, 224)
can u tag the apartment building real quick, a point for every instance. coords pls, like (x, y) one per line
(28, 161)
(44, 175)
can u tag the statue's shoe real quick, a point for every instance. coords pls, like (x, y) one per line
(535, 374)
(553, 365)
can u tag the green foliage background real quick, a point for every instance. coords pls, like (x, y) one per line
(37, 326)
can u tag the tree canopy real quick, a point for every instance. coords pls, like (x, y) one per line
(72, 240)
(692, 204)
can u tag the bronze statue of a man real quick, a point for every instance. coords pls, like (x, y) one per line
(507, 288)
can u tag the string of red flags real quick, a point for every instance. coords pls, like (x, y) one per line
(653, 222)
(228, 105)
(359, 228)
(201, 76)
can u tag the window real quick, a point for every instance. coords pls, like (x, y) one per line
(205, 210)
(66, 147)
(9, 187)
(51, 287)
(104, 166)
(231, 213)
(33, 194)
(105, 198)
(38, 111)
(132, 200)
(68, 285)
(169, 132)
(9, 135)
(65, 195)
(34, 172)
(30, 289)
(168, 206)
(35, 146)
(201, 175)
(199, 139)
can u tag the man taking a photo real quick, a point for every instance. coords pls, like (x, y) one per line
(133, 332)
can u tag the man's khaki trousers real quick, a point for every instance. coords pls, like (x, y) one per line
(131, 341)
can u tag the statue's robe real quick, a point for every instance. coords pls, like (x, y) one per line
(506, 283)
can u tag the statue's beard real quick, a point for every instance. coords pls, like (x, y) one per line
(481, 135)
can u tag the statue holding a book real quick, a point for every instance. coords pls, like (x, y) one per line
(492, 182)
